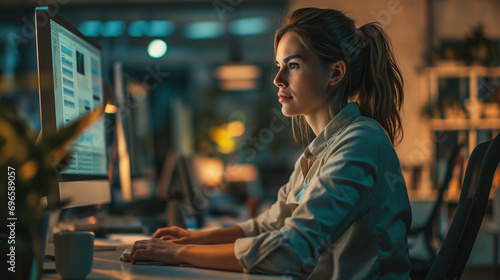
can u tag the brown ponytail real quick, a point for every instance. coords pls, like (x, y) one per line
(381, 91)
(372, 77)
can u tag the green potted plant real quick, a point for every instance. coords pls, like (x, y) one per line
(477, 49)
(28, 170)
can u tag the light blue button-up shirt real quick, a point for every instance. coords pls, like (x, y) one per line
(344, 213)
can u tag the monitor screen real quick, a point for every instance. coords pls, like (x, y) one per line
(70, 86)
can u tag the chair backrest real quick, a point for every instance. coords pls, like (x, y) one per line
(455, 250)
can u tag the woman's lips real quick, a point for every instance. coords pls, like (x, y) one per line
(284, 98)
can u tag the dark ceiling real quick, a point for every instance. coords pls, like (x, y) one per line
(182, 51)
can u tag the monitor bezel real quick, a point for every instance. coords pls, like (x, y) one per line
(43, 15)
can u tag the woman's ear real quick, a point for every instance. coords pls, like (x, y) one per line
(338, 71)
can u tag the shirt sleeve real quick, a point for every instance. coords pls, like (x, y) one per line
(331, 203)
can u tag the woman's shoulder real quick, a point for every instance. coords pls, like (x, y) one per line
(362, 136)
(366, 128)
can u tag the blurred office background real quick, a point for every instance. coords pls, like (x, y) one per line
(197, 81)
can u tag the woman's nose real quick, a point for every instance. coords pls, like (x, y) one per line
(279, 80)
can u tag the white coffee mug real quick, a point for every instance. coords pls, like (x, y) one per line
(74, 252)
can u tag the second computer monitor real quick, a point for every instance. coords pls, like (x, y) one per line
(134, 136)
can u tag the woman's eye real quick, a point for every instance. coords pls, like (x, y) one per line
(293, 65)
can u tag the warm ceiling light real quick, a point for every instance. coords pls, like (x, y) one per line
(237, 72)
(238, 84)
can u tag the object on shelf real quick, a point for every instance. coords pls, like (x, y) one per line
(454, 112)
(474, 108)
(477, 49)
(491, 110)
(447, 54)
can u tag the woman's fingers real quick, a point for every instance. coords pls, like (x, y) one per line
(169, 231)
(134, 255)
(143, 248)
(139, 246)
(173, 239)
(155, 250)
(168, 237)
(159, 233)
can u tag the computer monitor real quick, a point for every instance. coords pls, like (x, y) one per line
(179, 183)
(134, 136)
(180, 186)
(71, 85)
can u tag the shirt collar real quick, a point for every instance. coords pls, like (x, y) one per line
(350, 111)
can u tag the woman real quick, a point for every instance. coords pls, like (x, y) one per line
(345, 213)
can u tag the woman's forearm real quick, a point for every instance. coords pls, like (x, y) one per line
(221, 236)
(219, 256)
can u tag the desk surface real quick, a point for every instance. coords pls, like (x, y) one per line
(108, 266)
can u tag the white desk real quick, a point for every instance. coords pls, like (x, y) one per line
(108, 266)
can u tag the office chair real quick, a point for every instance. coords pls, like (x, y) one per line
(430, 228)
(457, 245)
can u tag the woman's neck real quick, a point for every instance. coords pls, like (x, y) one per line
(321, 118)
(318, 121)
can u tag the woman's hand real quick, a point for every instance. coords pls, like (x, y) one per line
(156, 250)
(220, 256)
(177, 235)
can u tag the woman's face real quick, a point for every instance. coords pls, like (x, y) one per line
(302, 79)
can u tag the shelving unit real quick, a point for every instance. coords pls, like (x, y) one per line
(465, 124)
(470, 124)
(475, 122)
